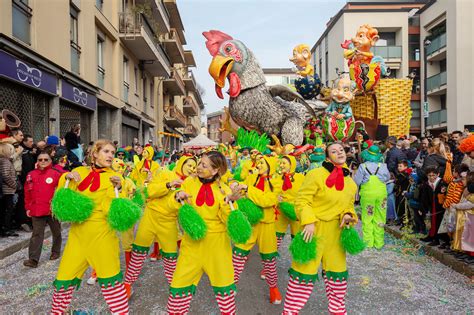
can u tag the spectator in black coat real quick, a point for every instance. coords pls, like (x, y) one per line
(394, 155)
(436, 157)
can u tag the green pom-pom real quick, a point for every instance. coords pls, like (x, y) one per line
(237, 173)
(288, 210)
(238, 227)
(191, 222)
(123, 214)
(171, 166)
(351, 241)
(71, 206)
(253, 212)
(301, 251)
(139, 198)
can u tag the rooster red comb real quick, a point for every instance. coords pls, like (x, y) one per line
(214, 40)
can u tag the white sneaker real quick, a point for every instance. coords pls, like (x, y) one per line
(91, 281)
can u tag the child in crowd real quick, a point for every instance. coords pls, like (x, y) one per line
(432, 198)
(402, 183)
(391, 213)
(413, 198)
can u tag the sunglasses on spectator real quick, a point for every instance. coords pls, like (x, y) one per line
(120, 154)
(44, 160)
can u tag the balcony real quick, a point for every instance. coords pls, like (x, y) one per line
(190, 82)
(159, 12)
(189, 58)
(175, 118)
(437, 118)
(190, 130)
(174, 85)
(437, 84)
(173, 46)
(190, 107)
(175, 18)
(388, 52)
(137, 35)
(437, 49)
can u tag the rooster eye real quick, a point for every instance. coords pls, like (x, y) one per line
(228, 49)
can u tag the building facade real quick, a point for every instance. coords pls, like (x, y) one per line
(399, 43)
(116, 67)
(284, 76)
(446, 71)
(214, 124)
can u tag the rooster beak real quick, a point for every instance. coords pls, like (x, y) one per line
(219, 68)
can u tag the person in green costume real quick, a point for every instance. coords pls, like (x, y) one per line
(371, 178)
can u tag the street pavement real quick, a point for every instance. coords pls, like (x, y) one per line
(399, 279)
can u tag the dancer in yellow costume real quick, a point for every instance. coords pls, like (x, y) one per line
(93, 243)
(145, 168)
(129, 189)
(324, 205)
(290, 183)
(159, 221)
(212, 254)
(263, 191)
(250, 166)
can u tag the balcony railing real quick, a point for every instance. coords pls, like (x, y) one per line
(388, 52)
(190, 129)
(174, 112)
(437, 117)
(436, 44)
(436, 81)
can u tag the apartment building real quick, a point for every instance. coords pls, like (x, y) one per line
(284, 76)
(446, 35)
(116, 67)
(399, 43)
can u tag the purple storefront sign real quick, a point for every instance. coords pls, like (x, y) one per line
(78, 96)
(25, 73)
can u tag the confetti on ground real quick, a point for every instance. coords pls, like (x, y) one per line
(37, 289)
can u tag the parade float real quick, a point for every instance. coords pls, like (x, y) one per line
(361, 95)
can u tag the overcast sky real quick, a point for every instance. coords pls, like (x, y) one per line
(270, 28)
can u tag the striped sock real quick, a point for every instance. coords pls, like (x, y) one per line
(297, 294)
(239, 263)
(116, 298)
(326, 286)
(337, 303)
(135, 267)
(271, 276)
(179, 305)
(61, 300)
(226, 303)
(169, 265)
(279, 241)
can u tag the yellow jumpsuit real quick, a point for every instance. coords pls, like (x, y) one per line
(263, 233)
(138, 174)
(212, 254)
(325, 207)
(93, 242)
(289, 195)
(159, 221)
(247, 169)
(127, 236)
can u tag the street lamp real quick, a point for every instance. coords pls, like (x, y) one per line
(426, 43)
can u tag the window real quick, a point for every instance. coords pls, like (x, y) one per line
(74, 37)
(152, 94)
(442, 100)
(414, 47)
(145, 99)
(126, 85)
(100, 61)
(21, 19)
(386, 39)
(320, 67)
(327, 69)
(135, 69)
(99, 4)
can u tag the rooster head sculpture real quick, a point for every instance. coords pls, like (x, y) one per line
(232, 60)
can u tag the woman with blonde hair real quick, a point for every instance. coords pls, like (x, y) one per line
(8, 187)
(92, 241)
(437, 156)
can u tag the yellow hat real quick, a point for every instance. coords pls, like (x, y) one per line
(292, 160)
(272, 163)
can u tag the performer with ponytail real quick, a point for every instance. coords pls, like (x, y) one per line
(325, 205)
(212, 253)
(92, 242)
(290, 183)
(263, 191)
(159, 221)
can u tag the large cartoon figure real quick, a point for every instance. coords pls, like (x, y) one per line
(309, 84)
(338, 124)
(364, 68)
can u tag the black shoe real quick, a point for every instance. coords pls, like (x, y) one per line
(469, 260)
(449, 251)
(426, 239)
(434, 243)
(444, 246)
(30, 263)
(460, 255)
